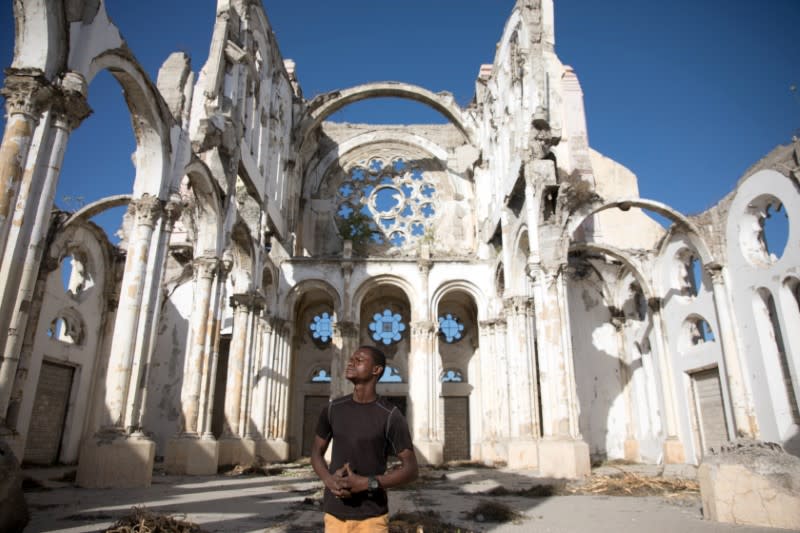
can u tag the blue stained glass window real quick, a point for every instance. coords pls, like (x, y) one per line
(397, 238)
(428, 210)
(450, 327)
(407, 211)
(357, 174)
(345, 211)
(322, 327)
(346, 190)
(376, 165)
(391, 375)
(416, 174)
(407, 190)
(417, 229)
(399, 165)
(428, 190)
(386, 327)
(452, 376)
(321, 376)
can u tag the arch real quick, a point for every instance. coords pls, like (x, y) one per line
(314, 177)
(209, 207)
(326, 104)
(633, 266)
(386, 279)
(308, 286)
(693, 233)
(150, 118)
(478, 298)
(95, 208)
(242, 247)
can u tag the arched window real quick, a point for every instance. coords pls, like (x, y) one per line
(386, 327)
(696, 331)
(67, 327)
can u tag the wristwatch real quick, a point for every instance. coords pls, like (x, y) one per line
(372, 484)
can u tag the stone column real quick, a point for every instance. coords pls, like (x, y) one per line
(286, 363)
(231, 448)
(187, 453)
(423, 378)
(113, 457)
(273, 449)
(207, 390)
(260, 377)
(346, 340)
(743, 411)
(146, 333)
(147, 211)
(523, 449)
(67, 113)
(674, 452)
(562, 453)
(488, 407)
(26, 93)
(631, 445)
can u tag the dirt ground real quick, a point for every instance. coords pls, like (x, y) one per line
(458, 498)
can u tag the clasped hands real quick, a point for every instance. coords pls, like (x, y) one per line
(344, 482)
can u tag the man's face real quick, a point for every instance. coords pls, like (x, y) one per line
(360, 367)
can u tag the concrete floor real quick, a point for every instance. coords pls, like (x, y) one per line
(288, 501)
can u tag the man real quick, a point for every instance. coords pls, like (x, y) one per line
(365, 429)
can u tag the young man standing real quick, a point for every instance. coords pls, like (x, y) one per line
(365, 429)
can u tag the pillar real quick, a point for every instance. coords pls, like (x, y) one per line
(423, 380)
(232, 448)
(116, 456)
(31, 221)
(631, 445)
(562, 452)
(674, 452)
(523, 449)
(187, 453)
(26, 93)
(743, 411)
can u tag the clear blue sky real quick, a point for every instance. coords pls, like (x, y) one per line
(687, 94)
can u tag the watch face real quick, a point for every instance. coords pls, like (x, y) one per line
(373, 484)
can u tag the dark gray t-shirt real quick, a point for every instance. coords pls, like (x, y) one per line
(364, 435)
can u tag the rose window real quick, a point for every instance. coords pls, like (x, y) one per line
(386, 203)
(450, 328)
(386, 327)
(322, 328)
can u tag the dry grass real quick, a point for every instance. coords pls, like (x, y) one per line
(140, 520)
(630, 484)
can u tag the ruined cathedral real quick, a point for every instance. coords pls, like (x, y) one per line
(533, 314)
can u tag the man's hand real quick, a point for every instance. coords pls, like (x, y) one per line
(357, 483)
(339, 482)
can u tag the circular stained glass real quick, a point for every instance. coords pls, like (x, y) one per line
(450, 327)
(397, 195)
(386, 327)
(322, 327)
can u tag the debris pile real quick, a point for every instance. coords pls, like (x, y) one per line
(140, 520)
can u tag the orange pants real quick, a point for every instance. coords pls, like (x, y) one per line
(376, 524)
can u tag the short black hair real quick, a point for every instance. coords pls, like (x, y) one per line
(378, 357)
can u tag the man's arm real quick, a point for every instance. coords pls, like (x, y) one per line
(336, 481)
(405, 473)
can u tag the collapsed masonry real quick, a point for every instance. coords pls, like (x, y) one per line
(532, 314)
